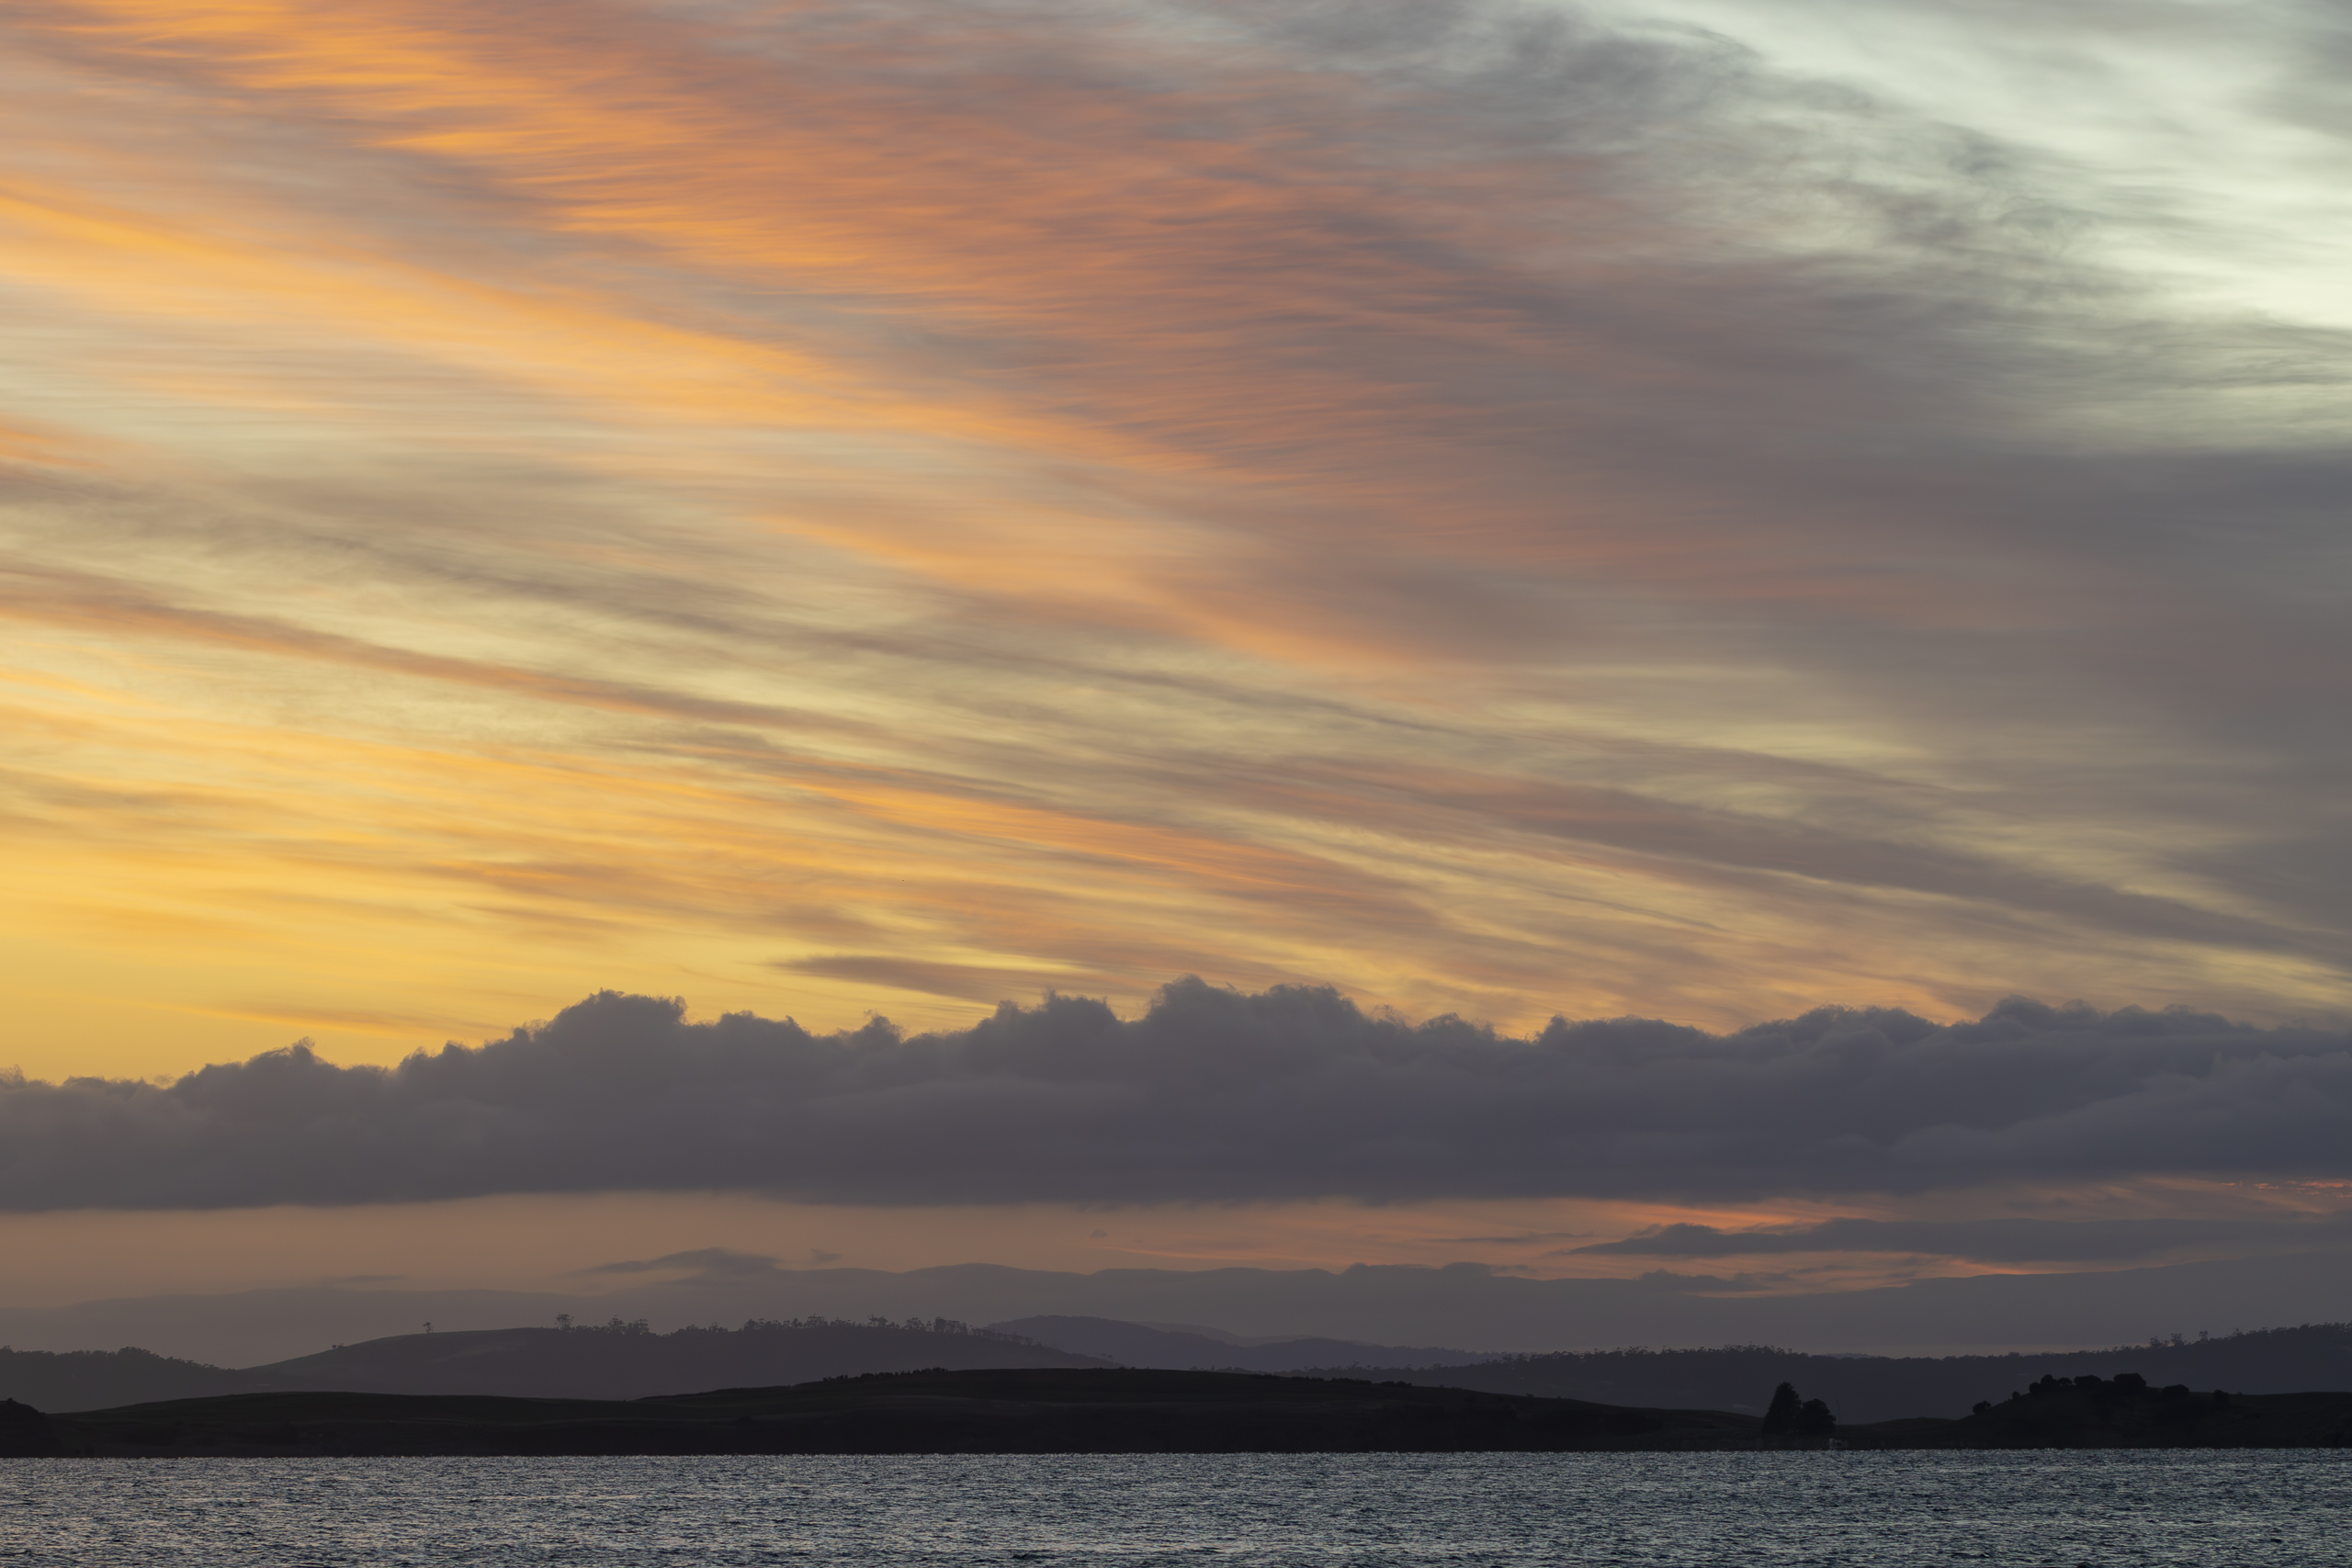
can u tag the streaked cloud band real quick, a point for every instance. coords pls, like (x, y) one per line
(1492, 507)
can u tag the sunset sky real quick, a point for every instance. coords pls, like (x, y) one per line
(1697, 511)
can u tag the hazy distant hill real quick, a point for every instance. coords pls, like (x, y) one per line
(627, 1361)
(94, 1380)
(1458, 1304)
(618, 1360)
(1145, 1345)
(2313, 1358)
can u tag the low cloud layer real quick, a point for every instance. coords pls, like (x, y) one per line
(1214, 1095)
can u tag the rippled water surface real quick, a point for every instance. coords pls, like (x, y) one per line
(1894, 1508)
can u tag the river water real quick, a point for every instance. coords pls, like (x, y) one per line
(2215, 1508)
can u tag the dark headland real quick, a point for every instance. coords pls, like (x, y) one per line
(1055, 1410)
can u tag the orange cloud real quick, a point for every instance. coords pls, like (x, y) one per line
(816, 498)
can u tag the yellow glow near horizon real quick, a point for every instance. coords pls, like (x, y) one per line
(557, 1241)
(816, 522)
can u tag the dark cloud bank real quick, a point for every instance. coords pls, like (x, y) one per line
(1212, 1095)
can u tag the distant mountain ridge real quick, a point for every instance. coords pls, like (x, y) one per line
(1385, 1305)
(629, 1361)
(626, 1359)
(96, 1380)
(617, 1360)
(1195, 1349)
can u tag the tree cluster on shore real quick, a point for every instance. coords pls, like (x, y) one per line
(1790, 1417)
(2122, 1386)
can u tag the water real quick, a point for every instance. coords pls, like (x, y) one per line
(2108, 1510)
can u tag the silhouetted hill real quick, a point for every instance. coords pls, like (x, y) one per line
(627, 1361)
(1144, 1345)
(25, 1433)
(1005, 1411)
(1118, 1410)
(1871, 1389)
(2099, 1413)
(92, 1380)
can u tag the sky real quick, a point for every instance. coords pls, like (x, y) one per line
(850, 514)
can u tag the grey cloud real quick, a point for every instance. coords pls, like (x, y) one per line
(1213, 1095)
(1987, 1241)
(2310, 90)
(2310, 876)
(1665, 1279)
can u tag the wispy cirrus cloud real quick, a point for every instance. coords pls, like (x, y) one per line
(1495, 506)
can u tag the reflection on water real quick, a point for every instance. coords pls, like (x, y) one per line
(2110, 1509)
